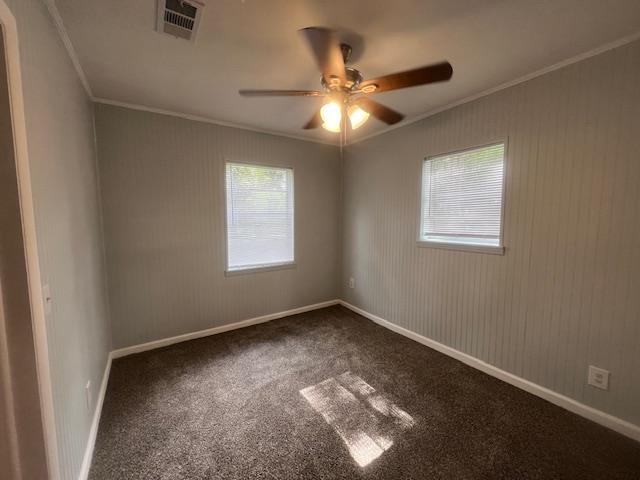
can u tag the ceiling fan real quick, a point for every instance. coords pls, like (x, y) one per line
(345, 91)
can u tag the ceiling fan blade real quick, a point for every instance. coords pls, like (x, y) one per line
(327, 52)
(314, 122)
(439, 72)
(280, 93)
(386, 114)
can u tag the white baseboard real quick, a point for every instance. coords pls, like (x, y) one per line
(614, 423)
(622, 426)
(143, 347)
(93, 432)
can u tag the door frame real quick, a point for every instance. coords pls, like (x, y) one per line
(16, 102)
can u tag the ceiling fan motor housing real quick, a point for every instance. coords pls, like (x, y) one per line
(354, 77)
(346, 52)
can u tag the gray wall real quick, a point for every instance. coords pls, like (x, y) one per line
(63, 170)
(162, 181)
(565, 294)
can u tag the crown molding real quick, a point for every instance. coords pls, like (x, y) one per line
(197, 118)
(64, 36)
(57, 19)
(556, 66)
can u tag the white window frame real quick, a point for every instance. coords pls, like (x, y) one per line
(460, 246)
(230, 271)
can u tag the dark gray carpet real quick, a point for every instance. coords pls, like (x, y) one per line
(330, 395)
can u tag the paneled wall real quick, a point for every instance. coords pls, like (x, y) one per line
(566, 294)
(162, 182)
(68, 225)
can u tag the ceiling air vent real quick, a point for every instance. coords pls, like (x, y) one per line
(179, 18)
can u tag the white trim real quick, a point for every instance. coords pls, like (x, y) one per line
(272, 267)
(233, 271)
(64, 36)
(55, 14)
(93, 432)
(462, 247)
(556, 66)
(614, 423)
(423, 242)
(143, 347)
(12, 53)
(197, 118)
(577, 58)
(122, 352)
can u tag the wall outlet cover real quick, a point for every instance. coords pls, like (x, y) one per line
(598, 377)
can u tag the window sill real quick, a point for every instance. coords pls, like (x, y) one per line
(266, 268)
(463, 247)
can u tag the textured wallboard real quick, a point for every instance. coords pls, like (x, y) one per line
(68, 225)
(565, 294)
(162, 181)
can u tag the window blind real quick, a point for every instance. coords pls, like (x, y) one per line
(462, 196)
(259, 216)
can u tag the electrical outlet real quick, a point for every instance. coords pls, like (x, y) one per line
(87, 391)
(598, 377)
(352, 283)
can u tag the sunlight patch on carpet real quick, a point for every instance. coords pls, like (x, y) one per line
(366, 421)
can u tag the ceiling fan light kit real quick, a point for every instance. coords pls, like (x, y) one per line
(345, 91)
(331, 114)
(357, 116)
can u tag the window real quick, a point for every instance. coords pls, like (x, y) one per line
(259, 216)
(462, 199)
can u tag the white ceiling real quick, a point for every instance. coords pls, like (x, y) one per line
(255, 44)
